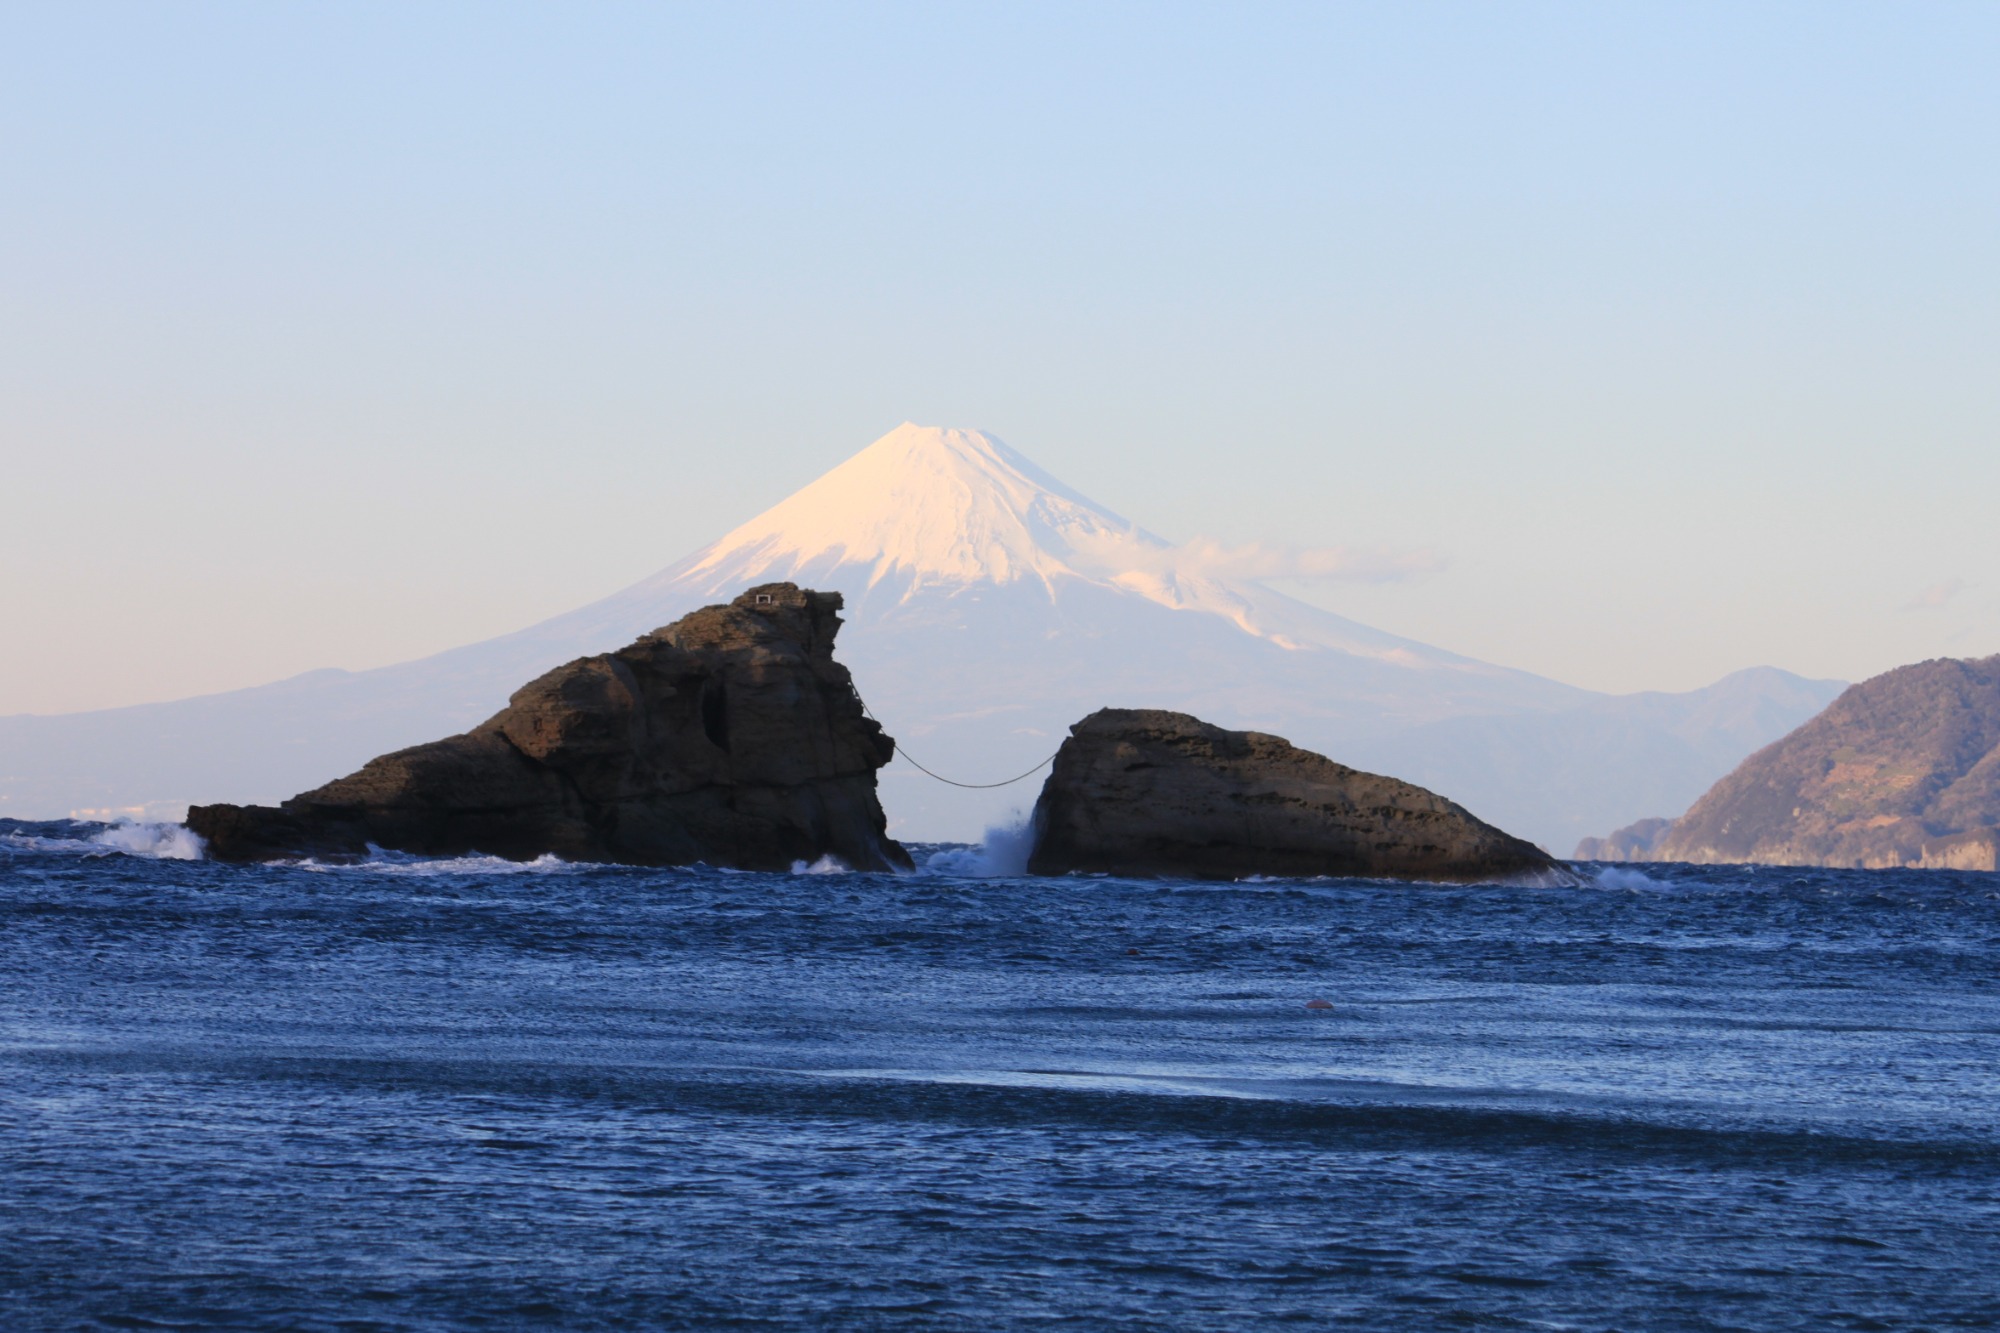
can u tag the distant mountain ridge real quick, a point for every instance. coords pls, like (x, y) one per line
(1902, 770)
(989, 606)
(1642, 752)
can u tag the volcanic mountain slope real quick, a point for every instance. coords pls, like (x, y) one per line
(989, 607)
(1901, 770)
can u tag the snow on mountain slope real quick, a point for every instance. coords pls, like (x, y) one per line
(937, 506)
(929, 510)
(989, 606)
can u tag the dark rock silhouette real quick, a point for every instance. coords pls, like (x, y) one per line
(1634, 842)
(1901, 770)
(1146, 792)
(730, 737)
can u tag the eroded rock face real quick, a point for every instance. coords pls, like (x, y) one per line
(1145, 792)
(730, 737)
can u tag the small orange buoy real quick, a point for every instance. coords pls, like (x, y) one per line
(1319, 1004)
(1133, 952)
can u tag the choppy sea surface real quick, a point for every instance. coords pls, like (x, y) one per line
(470, 1094)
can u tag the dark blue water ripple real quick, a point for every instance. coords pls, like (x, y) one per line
(454, 1095)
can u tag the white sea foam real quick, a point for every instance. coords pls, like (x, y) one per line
(167, 842)
(28, 842)
(826, 865)
(388, 863)
(1003, 852)
(1618, 877)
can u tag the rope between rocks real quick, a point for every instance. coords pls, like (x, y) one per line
(975, 786)
(953, 782)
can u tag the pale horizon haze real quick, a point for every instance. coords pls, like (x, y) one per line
(1633, 345)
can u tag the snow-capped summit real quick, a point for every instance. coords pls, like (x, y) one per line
(938, 511)
(931, 505)
(989, 606)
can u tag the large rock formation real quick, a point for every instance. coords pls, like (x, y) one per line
(731, 737)
(1146, 792)
(1901, 770)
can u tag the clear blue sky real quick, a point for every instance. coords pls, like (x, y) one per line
(335, 334)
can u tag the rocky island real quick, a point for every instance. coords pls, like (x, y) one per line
(1634, 842)
(1902, 770)
(731, 737)
(1147, 792)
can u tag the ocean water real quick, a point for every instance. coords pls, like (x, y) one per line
(474, 1095)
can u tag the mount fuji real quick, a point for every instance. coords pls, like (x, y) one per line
(988, 607)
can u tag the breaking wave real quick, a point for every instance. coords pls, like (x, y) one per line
(1003, 853)
(160, 841)
(168, 842)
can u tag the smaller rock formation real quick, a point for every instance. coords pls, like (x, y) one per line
(1146, 792)
(730, 737)
(1634, 842)
(1900, 771)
